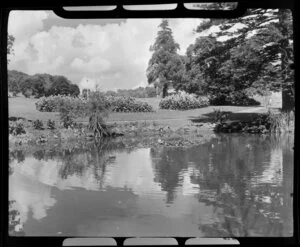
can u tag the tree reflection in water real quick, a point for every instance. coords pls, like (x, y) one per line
(14, 221)
(245, 180)
(168, 163)
(240, 178)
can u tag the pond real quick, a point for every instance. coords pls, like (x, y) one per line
(232, 185)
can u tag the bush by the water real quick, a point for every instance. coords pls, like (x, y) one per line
(234, 98)
(16, 128)
(263, 123)
(282, 122)
(183, 101)
(128, 104)
(37, 124)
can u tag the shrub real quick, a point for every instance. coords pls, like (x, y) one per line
(281, 122)
(127, 104)
(219, 116)
(51, 124)
(263, 123)
(183, 101)
(96, 109)
(116, 104)
(234, 98)
(67, 121)
(16, 128)
(259, 125)
(37, 124)
(53, 103)
(66, 114)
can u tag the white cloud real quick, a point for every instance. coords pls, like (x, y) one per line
(95, 64)
(23, 24)
(110, 55)
(184, 34)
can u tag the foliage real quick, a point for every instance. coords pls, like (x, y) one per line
(255, 55)
(16, 128)
(116, 104)
(53, 103)
(182, 101)
(62, 86)
(259, 125)
(232, 98)
(264, 123)
(69, 109)
(140, 92)
(165, 67)
(37, 124)
(10, 42)
(219, 116)
(51, 124)
(97, 110)
(39, 85)
(14, 80)
(282, 122)
(127, 104)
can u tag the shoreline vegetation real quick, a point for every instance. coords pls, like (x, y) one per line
(140, 134)
(168, 128)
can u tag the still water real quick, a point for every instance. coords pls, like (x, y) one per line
(233, 185)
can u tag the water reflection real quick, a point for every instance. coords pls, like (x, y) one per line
(231, 186)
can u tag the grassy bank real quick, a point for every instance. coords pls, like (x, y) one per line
(162, 127)
(23, 107)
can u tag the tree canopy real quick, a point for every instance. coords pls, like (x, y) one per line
(39, 85)
(165, 66)
(10, 42)
(247, 55)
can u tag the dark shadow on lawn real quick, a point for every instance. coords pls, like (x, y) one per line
(210, 117)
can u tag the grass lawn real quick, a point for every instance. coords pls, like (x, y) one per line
(23, 107)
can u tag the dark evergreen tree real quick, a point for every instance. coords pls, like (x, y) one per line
(165, 67)
(254, 59)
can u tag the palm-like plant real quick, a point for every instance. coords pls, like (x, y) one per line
(97, 110)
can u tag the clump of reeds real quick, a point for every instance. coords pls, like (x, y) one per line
(282, 122)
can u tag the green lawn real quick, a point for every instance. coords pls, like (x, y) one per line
(23, 107)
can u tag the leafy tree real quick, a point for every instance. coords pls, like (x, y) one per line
(165, 67)
(253, 59)
(62, 86)
(10, 42)
(15, 79)
(39, 85)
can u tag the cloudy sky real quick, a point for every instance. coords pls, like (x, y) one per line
(108, 53)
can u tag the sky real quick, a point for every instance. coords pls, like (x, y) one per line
(104, 54)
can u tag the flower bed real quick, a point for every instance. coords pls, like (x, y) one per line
(183, 101)
(116, 104)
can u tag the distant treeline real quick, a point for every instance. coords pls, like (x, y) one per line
(141, 92)
(39, 85)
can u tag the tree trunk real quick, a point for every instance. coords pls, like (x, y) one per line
(287, 87)
(165, 91)
(288, 102)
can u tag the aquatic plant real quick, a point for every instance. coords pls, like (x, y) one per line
(97, 110)
(281, 122)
